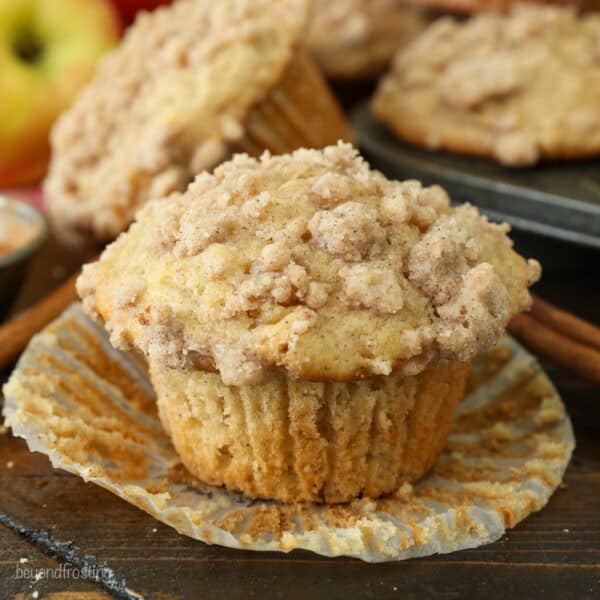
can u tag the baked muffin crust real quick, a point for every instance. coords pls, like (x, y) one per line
(358, 38)
(517, 87)
(166, 105)
(310, 262)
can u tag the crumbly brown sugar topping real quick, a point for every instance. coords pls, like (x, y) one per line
(165, 105)
(312, 262)
(517, 86)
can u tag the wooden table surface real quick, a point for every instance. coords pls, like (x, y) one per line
(50, 518)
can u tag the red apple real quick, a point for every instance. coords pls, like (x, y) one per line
(129, 8)
(48, 49)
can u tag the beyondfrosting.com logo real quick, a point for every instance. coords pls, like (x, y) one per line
(65, 571)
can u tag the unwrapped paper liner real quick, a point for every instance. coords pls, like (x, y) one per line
(91, 410)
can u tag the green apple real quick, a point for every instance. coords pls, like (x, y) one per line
(48, 49)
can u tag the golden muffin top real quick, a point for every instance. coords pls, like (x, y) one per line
(164, 106)
(311, 262)
(519, 87)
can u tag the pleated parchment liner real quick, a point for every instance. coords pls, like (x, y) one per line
(91, 410)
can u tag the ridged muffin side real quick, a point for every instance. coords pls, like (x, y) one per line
(294, 440)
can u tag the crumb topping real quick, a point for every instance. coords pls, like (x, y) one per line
(468, 83)
(312, 262)
(450, 248)
(476, 314)
(350, 231)
(371, 286)
(164, 106)
(487, 85)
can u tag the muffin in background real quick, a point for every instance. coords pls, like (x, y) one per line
(356, 39)
(190, 83)
(519, 87)
(475, 6)
(309, 324)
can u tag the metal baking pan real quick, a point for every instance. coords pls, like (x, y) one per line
(557, 200)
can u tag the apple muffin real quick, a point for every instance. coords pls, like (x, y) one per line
(190, 83)
(357, 38)
(519, 87)
(308, 324)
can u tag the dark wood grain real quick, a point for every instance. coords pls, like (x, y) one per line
(19, 560)
(52, 517)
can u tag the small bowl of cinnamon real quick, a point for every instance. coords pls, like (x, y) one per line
(22, 231)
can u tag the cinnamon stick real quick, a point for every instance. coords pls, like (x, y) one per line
(16, 333)
(566, 323)
(547, 342)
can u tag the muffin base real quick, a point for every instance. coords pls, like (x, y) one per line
(300, 441)
(299, 112)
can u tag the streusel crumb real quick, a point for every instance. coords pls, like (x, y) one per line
(312, 262)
